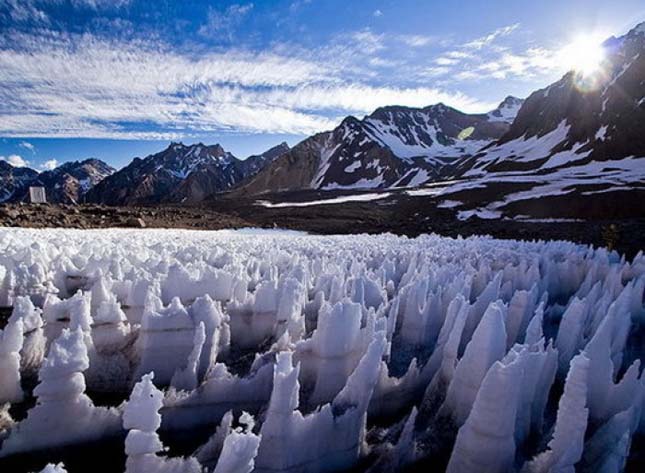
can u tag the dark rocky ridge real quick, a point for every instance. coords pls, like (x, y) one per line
(14, 181)
(69, 182)
(66, 183)
(178, 174)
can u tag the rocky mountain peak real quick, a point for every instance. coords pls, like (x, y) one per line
(507, 110)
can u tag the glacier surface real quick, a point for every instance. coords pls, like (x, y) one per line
(257, 350)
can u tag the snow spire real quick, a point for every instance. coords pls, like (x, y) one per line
(570, 334)
(486, 440)
(487, 346)
(534, 332)
(142, 419)
(240, 448)
(186, 378)
(11, 341)
(62, 404)
(567, 445)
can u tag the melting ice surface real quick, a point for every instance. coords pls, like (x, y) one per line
(269, 351)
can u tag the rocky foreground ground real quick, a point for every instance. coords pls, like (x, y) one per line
(402, 216)
(100, 216)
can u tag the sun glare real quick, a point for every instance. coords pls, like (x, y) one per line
(584, 54)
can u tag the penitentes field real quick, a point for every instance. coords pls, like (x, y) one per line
(256, 350)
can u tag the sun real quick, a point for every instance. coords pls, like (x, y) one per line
(584, 54)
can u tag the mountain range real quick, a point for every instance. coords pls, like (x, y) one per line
(582, 132)
(67, 183)
(180, 174)
(394, 146)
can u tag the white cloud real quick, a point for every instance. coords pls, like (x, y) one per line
(368, 41)
(446, 61)
(80, 86)
(27, 145)
(221, 24)
(23, 10)
(416, 41)
(297, 4)
(15, 160)
(49, 165)
(377, 13)
(360, 98)
(101, 4)
(479, 43)
(492, 57)
(457, 55)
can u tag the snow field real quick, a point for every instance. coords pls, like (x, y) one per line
(306, 353)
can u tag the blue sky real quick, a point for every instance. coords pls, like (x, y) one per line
(114, 79)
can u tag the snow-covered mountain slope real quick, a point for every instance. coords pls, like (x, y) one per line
(180, 173)
(67, 183)
(374, 353)
(507, 110)
(574, 148)
(579, 119)
(394, 146)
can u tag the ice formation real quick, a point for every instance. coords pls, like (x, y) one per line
(486, 441)
(330, 438)
(54, 468)
(62, 407)
(34, 342)
(10, 346)
(141, 418)
(488, 344)
(567, 445)
(270, 351)
(231, 450)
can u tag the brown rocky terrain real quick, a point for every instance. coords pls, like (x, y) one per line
(399, 214)
(100, 216)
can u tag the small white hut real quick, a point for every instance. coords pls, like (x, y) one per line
(37, 195)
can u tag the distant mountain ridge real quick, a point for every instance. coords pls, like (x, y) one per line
(14, 181)
(67, 183)
(179, 174)
(394, 146)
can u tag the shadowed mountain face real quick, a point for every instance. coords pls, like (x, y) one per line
(69, 182)
(180, 173)
(394, 146)
(578, 120)
(66, 184)
(14, 181)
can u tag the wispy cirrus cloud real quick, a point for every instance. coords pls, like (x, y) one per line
(483, 41)
(80, 85)
(416, 41)
(222, 23)
(494, 56)
(100, 4)
(27, 145)
(22, 11)
(57, 84)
